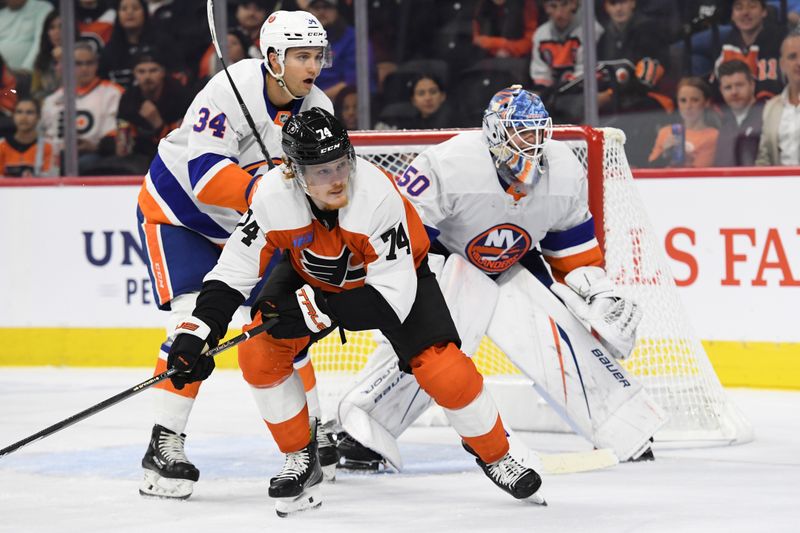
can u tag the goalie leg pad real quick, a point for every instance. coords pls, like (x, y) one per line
(471, 296)
(382, 404)
(598, 398)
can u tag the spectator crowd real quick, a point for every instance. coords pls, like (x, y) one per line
(691, 82)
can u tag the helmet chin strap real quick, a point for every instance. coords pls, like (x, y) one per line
(279, 79)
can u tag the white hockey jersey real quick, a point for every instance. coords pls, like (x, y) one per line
(379, 239)
(196, 179)
(456, 189)
(95, 112)
(557, 56)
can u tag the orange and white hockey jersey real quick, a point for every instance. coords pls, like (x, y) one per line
(461, 200)
(96, 110)
(20, 160)
(196, 179)
(379, 239)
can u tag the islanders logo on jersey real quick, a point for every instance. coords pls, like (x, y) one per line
(499, 247)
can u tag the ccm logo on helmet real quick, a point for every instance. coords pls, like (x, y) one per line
(330, 148)
(499, 247)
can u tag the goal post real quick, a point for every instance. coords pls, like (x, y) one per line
(669, 358)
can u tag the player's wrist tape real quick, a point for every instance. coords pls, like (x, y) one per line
(194, 326)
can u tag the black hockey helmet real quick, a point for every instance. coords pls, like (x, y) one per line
(314, 137)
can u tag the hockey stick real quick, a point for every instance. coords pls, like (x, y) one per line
(212, 28)
(124, 395)
(572, 462)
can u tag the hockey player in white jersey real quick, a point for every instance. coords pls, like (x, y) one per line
(487, 200)
(200, 182)
(356, 257)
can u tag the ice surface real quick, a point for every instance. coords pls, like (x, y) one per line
(85, 478)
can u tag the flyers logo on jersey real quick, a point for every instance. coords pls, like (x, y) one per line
(332, 270)
(499, 247)
(560, 55)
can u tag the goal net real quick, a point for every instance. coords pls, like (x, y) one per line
(669, 358)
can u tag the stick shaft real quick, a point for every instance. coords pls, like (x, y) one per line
(105, 404)
(239, 99)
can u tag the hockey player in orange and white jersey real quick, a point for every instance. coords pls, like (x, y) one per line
(488, 199)
(356, 258)
(200, 182)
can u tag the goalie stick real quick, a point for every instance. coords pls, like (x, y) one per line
(124, 395)
(212, 28)
(573, 462)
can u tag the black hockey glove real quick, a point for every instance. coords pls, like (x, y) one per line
(300, 313)
(193, 339)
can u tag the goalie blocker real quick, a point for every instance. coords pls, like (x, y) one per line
(569, 367)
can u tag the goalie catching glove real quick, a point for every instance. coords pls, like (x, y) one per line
(591, 296)
(300, 313)
(192, 339)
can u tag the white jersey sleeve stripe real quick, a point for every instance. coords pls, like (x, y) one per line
(203, 167)
(574, 250)
(208, 175)
(183, 207)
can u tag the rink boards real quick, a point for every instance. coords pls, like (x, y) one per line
(76, 290)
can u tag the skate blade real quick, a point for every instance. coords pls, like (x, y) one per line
(536, 499)
(311, 498)
(361, 466)
(329, 473)
(156, 486)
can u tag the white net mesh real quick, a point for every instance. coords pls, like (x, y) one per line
(668, 358)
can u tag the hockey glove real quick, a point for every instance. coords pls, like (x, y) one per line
(192, 340)
(591, 296)
(300, 313)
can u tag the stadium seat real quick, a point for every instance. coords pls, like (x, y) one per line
(476, 86)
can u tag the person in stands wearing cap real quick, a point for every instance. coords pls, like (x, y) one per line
(756, 41)
(148, 111)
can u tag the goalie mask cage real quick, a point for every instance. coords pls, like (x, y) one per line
(669, 358)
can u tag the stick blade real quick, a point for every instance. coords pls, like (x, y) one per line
(573, 462)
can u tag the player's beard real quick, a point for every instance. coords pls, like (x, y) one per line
(339, 203)
(332, 204)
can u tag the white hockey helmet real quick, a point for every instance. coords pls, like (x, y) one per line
(291, 29)
(516, 127)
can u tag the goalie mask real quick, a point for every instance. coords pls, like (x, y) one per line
(516, 127)
(313, 138)
(291, 29)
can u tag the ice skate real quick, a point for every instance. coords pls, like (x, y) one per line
(356, 456)
(168, 473)
(328, 452)
(512, 476)
(297, 486)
